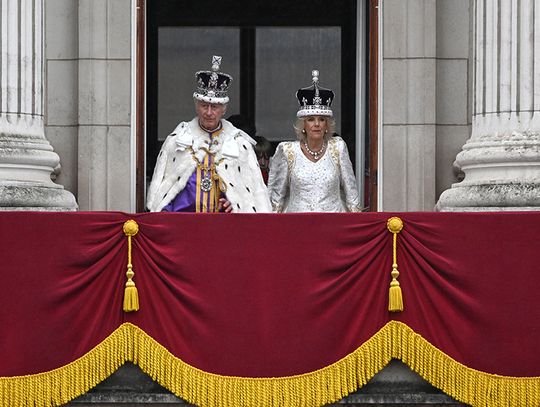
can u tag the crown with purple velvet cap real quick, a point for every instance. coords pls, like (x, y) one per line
(212, 86)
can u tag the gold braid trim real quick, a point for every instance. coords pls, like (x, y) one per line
(289, 153)
(334, 152)
(317, 388)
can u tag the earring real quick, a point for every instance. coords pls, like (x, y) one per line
(326, 131)
(304, 131)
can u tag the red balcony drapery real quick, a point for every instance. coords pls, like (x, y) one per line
(288, 309)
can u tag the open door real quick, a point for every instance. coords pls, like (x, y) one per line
(270, 50)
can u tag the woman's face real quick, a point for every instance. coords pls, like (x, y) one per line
(315, 127)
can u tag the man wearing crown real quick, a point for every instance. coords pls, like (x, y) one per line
(207, 164)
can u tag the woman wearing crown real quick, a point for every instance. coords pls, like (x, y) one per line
(313, 174)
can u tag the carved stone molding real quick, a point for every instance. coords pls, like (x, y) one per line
(27, 159)
(501, 160)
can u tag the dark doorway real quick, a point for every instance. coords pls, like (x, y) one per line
(269, 48)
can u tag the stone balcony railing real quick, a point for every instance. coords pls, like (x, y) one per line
(395, 385)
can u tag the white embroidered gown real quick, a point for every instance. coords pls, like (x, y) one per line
(297, 184)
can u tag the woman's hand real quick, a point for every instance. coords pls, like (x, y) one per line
(224, 205)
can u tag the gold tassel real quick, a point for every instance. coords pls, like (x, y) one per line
(395, 297)
(395, 300)
(131, 295)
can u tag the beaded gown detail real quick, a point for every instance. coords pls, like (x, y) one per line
(297, 184)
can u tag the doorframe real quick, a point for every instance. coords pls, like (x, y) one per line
(374, 177)
(138, 105)
(367, 137)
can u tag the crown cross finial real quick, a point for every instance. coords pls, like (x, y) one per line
(216, 62)
(315, 74)
(212, 85)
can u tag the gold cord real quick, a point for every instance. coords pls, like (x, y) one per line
(131, 295)
(395, 296)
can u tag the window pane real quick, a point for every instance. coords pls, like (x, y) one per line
(285, 58)
(184, 51)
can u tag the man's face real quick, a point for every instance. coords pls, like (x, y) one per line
(209, 114)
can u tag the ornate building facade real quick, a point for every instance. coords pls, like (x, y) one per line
(449, 76)
(447, 112)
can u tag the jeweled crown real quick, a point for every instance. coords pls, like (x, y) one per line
(315, 100)
(212, 86)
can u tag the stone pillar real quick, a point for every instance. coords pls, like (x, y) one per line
(501, 160)
(104, 105)
(26, 157)
(407, 165)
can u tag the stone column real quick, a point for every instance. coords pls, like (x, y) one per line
(27, 159)
(104, 105)
(407, 165)
(501, 160)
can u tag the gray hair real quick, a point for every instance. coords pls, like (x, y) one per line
(300, 123)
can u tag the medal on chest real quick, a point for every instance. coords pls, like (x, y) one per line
(210, 186)
(206, 183)
(207, 173)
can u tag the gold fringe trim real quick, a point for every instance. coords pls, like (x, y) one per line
(317, 388)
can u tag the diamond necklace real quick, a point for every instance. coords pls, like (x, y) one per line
(315, 154)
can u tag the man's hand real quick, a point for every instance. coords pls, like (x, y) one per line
(224, 205)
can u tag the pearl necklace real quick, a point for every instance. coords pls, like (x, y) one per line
(315, 154)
